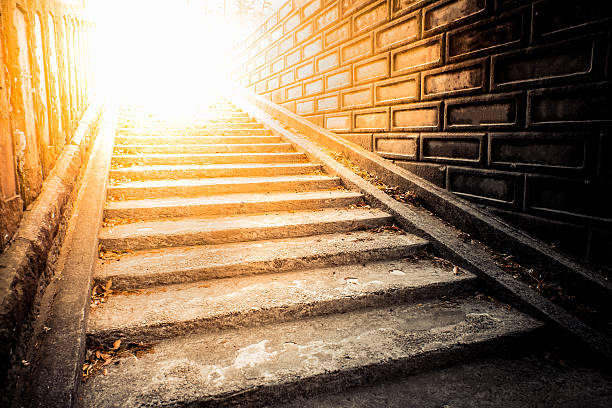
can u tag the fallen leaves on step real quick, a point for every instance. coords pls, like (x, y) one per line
(389, 228)
(100, 293)
(100, 356)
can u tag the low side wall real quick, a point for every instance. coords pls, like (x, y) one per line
(503, 102)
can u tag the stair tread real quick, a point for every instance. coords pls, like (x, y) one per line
(178, 167)
(318, 353)
(220, 181)
(204, 155)
(243, 198)
(211, 145)
(183, 264)
(157, 312)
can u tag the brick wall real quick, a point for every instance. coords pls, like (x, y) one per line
(44, 85)
(507, 103)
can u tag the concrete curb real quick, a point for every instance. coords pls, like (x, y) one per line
(56, 374)
(419, 222)
(22, 265)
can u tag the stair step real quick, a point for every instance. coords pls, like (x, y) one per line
(207, 158)
(221, 185)
(205, 120)
(268, 364)
(230, 204)
(192, 126)
(206, 231)
(143, 269)
(135, 139)
(204, 148)
(256, 300)
(196, 132)
(214, 170)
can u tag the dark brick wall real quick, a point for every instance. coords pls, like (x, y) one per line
(506, 103)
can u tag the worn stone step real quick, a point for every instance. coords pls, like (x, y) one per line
(207, 158)
(202, 125)
(204, 148)
(197, 132)
(256, 300)
(164, 266)
(230, 204)
(206, 231)
(201, 120)
(214, 170)
(135, 140)
(220, 185)
(267, 364)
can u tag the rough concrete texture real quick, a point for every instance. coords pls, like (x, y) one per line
(213, 185)
(230, 204)
(215, 170)
(203, 158)
(205, 148)
(201, 231)
(510, 382)
(195, 132)
(134, 139)
(143, 269)
(256, 300)
(274, 362)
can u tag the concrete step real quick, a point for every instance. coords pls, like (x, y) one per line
(206, 158)
(230, 204)
(142, 269)
(203, 120)
(206, 231)
(204, 148)
(134, 140)
(214, 170)
(217, 124)
(267, 364)
(197, 132)
(222, 185)
(256, 300)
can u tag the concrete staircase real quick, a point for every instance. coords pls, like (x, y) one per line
(257, 277)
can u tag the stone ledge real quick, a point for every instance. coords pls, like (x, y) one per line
(23, 263)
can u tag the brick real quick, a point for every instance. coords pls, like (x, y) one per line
(583, 106)
(274, 35)
(337, 35)
(453, 147)
(540, 151)
(271, 22)
(304, 107)
(312, 48)
(277, 96)
(357, 97)
(398, 32)
(568, 197)
(489, 111)
(260, 60)
(328, 103)
(421, 116)
(539, 65)
(338, 79)
(260, 87)
(316, 119)
(417, 57)
(338, 122)
(277, 65)
(362, 139)
(604, 168)
(371, 70)
(273, 83)
(327, 17)
(292, 58)
(291, 23)
(271, 54)
(304, 32)
(299, 3)
(311, 8)
(370, 17)
(254, 78)
(493, 35)
(441, 16)
(401, 7)
(434, 173)
(328, 61)
(491, 187)
(290, 106)
(455, 79)
(293, 92)
(313, 87)
(285, 9)
(397, 90)
(285, 44)
(286, 78)
(399, 146)
(357, 49)
(552, 19)
(376, 119)
(305, 70)
(350, 6)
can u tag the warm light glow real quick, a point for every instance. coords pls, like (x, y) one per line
(168, 55)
